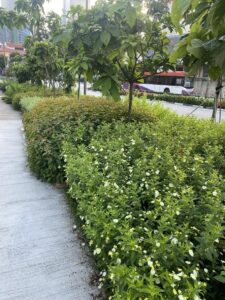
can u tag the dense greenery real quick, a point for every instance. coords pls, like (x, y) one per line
(28, 103)
(153, 188)
(48, 124)
(204, 45)
(149, 197)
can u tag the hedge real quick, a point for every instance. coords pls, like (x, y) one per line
(150, 202)
(189, 100)
(51, 121)
(28, 103)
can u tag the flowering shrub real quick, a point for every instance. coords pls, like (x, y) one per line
(150, 201)
(50, 122)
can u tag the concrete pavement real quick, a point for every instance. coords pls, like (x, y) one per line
(40, 256)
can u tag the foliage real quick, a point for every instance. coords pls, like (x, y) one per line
(32, 11)
(205, 43)
(178, 99)
(149, 197)
(117, 42)
(27, 103)
(51, 121)
(11, 88)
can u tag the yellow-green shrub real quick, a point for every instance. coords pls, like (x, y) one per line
(53, 121)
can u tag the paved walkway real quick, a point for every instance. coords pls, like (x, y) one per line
(40, 257)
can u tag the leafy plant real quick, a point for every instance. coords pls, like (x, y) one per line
(150, 201)
(52, 121)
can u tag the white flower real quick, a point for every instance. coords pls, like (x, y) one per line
(206, 270)
(150, 263)
(176, 277)
(171, 185)
(181, 297)
(156, 193)
(162, 203)
(204, 187)
(152, 271)
(217, 241)
(97, 251)
(191, 253)
(194, 275)
(158, 244)
(147, 174)
(196, 297)
(118, 261)
(116, 185)
(187, 262)
(174, 241)
(214, 193)
(104, 274)
(177, 213)
(157, 172)
(115, 221)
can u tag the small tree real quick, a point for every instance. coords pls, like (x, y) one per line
(205, 42)
(120, 43)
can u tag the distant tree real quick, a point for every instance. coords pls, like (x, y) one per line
(33, 12)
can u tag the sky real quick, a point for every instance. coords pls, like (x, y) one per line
(57, 5)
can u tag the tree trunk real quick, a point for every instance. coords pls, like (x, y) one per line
(85, 86)
(78, 91)
(218, 91)
(130, 100)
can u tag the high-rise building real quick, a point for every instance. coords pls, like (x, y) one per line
(67, 4)
(11, 35)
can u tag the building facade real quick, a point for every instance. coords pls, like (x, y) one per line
(68, 3)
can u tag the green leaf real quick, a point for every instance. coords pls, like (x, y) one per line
(131, 15)
(214, 72)
(113, 54)
(180, 52)
(196, 48)
(179, 8)
(84, 65)
(107, 84)
(220, 278)
(105, 37)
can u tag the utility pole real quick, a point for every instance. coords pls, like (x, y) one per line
(85, 81)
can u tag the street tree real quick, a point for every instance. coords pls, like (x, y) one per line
(120, 43)
(204, 44)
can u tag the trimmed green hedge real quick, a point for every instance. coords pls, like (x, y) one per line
(150, 199)
(189, 100)
(181, 99)
(28, 103)
(52, 121)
